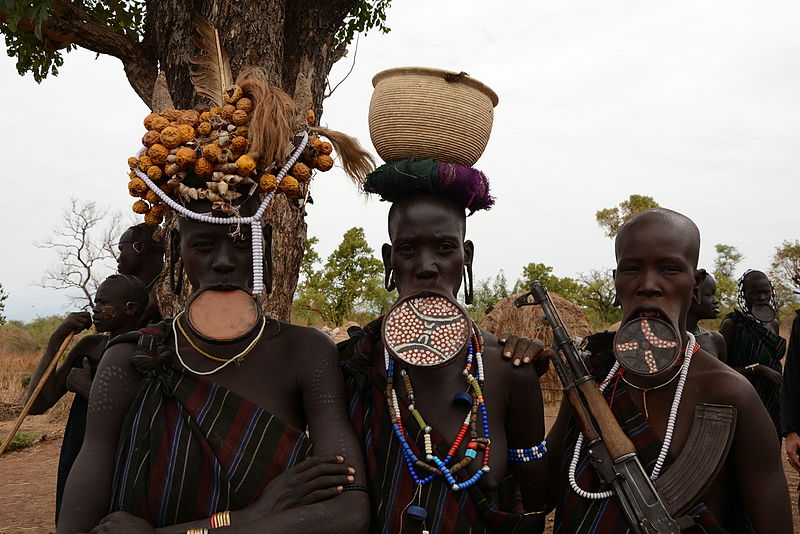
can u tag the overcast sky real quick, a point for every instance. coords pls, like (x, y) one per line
(694, 103)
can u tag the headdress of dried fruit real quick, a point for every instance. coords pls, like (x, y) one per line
(230, 150)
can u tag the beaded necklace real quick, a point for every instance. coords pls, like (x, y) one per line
(176, 325)
(691, 348)
(434, 465)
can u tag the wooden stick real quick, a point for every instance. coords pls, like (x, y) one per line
(39, 387)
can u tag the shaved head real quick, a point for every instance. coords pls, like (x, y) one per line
(667, 222)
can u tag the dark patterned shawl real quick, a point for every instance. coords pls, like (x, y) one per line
(189, 447)
(754, 343)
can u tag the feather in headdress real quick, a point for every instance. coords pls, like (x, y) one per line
(210, 72)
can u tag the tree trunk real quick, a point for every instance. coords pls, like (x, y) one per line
(293, 42)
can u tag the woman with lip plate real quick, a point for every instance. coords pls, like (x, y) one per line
(119, 303)
(440, 441)
(656, 280)
(754, 347)
(207, 420)
(707, 308)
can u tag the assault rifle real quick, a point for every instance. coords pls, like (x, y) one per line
(611, 453)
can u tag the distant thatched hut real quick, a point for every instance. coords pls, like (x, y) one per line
(527, 321)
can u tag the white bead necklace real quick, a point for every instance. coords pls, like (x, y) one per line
(673, 414)
(228, 362)
(254, 220)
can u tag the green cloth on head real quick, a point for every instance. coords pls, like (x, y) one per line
(463, 185)
(396, 179)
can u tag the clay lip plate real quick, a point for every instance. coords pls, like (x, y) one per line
(647, 346)
(426, 331)
(223, 315)
(763, 313)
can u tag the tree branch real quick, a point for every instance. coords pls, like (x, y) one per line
(69, 24)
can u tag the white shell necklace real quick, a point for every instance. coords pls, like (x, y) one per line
(673, 414)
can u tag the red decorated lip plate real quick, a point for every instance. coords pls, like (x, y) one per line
(426, 331)
(647, 346)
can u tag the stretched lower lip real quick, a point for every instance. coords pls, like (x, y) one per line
(648, 314)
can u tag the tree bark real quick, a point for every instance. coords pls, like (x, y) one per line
(293, 42)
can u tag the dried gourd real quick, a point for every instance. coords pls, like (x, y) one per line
(323, 162)
(267, 183)
(301, 171)
(140, 207)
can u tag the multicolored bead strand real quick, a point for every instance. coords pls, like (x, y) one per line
(473, 372)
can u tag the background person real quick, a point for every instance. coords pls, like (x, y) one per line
(119, 303)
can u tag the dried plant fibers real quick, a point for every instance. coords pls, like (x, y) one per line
(356, 161)
(270, 122)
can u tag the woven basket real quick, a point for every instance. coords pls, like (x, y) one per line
(416, 113)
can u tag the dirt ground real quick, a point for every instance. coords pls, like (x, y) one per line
(28, 479)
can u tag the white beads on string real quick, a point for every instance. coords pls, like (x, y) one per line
(673, 415)
(254, 220)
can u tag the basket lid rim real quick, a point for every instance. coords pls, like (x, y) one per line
(431, 71)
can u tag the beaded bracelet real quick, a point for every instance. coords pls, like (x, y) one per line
(197, 531)
(528, 455)
(221, 519)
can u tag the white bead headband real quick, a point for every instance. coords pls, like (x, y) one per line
(254, 220)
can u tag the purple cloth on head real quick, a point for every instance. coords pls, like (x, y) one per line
(466, 185)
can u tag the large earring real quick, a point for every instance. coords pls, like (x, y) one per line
(469, 291)
(388, 281)
(268, 258)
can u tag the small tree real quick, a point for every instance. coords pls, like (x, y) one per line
(539, 272)
(84, 243)
(487, 293)
(786, 265)
(598, 297)
(728, 258)
(3, 297)
(349, 281)
(611, 219)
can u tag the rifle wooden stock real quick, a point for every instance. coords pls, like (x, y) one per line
(582, 417)
(616, 440)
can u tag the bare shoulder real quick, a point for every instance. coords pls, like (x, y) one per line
(727, 326)
(91, 341)
(91, 345)
(307, 343)
(115, 373)
(716, 336)
(718, 383)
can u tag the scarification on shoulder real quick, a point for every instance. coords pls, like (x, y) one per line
(104, 396)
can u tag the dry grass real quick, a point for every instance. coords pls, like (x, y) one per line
(15, 367)
(527, 321)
